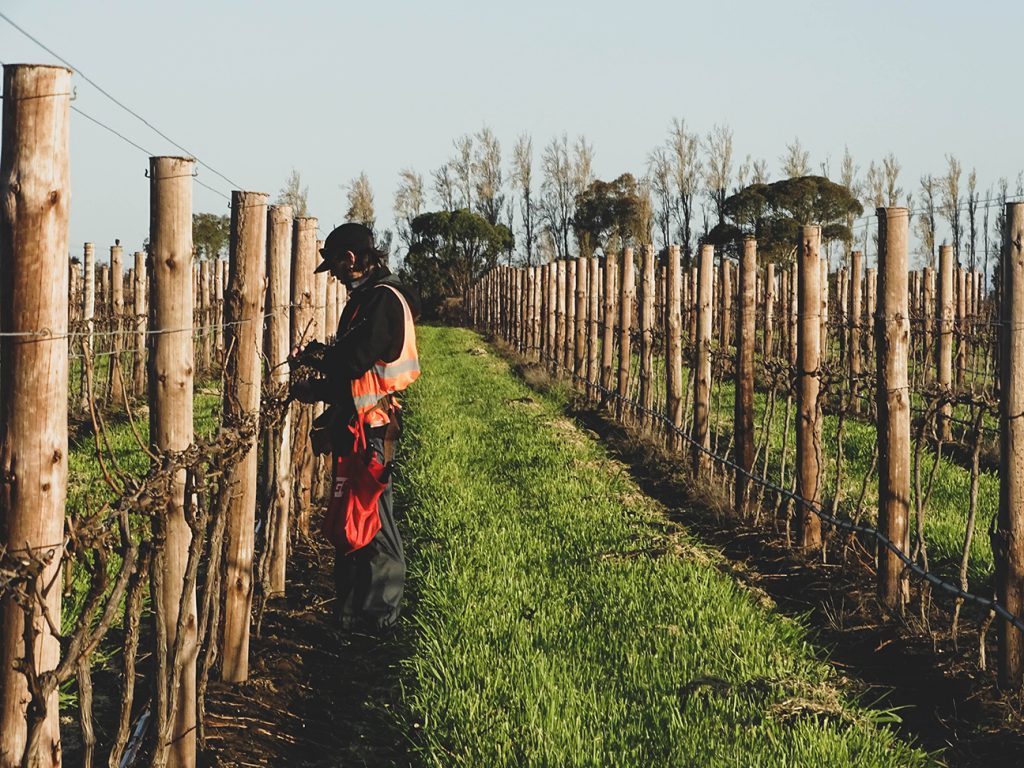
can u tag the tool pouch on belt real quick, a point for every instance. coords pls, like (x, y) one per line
(352, 518)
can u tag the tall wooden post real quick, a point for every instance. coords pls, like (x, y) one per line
(627, 286)
(1010, 533)
(593, 310)
(743, 412)
(823, 285)
(580, 346)
(769, 311)
(88, 319)
(35, 188)
(171, 372)
(219, 281)
(243, 314)
(647, 289)
(702, 362)
(944, 349)
(871, 305)
(304, 261)
(560, 327)
(117, 323)
(139, 323)
(892, 345)
(791, 309)
(725, 304)
(551, 314)
(928, 318)
(961, 327)
(569, 338)
(808, 425)
(842, 287)
(674, 347)
(611, 265)
(856, 314)
(277, 343)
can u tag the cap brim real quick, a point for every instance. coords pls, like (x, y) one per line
(324, 266)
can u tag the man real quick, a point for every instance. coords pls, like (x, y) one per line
(373, 357)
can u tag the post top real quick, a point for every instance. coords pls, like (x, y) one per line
(892, 212)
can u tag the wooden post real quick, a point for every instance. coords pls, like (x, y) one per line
(88, 319)
(117, 323)
(139, 323)
(892, 345)
(171, 372)
(794, 294)
(1010, 533)
(856, 261)
(243, 315)
(871, 305)
(627, 287)
(769, 311)
(944, 350)
(277, 344)
(580, 347)
(702, 362)
(569, 339)
(691, 332)
(647, 289)
(674, 347)
(725, 304)
(961, 327)
(823, 285)
(593, 341)
(559, 300)
(808, 425)
(608, 336)
(743, 411)
(928, 318)
(842, 288)
(304, 261)
(36, 190)
(219, 281)
(551, 314)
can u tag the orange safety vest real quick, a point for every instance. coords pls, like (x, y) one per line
(372, 391)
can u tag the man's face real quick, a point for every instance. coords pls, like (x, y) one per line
(342, 266)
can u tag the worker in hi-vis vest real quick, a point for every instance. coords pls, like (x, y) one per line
(372, 357)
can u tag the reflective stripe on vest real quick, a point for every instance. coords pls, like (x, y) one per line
(384, 379)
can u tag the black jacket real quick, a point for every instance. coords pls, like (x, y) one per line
(371, 328)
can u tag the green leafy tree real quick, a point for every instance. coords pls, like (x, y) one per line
(449, 251)
(774, 214)
(610, 210)
(210, 234)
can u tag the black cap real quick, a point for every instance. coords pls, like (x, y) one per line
(354, 237)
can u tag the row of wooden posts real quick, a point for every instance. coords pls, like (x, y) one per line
(258, 305)
(108, 316)
(574, 314)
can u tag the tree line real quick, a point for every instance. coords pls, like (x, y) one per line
(482, 206)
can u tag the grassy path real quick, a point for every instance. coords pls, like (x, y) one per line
(559, 620)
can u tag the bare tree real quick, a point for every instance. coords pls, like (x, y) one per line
(294, 194)
(360, 201)
(744, 172)
(796, 161)
(558, 200)
(409, 200)
(718, 174)
(683, 150)
(925, 221)
(950, 205)
(759, 172)
(583, 164)
(848, 170)
(487, 177)
(645, 212)
(522, 178)
(659, 169)
(462, 170)
(444, 187)
(874, 187)
(891, 170)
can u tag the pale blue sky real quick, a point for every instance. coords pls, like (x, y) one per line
(335, 88)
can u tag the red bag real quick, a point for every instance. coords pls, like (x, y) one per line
(352, 519)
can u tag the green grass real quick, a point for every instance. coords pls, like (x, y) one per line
(559, 620)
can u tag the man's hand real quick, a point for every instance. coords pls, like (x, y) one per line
(301, 354)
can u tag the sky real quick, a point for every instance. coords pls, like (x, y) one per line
(332, 89)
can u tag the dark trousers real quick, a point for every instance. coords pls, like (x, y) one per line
(370, 581)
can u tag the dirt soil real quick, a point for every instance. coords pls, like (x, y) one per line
(944, 700)
(316, 695)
